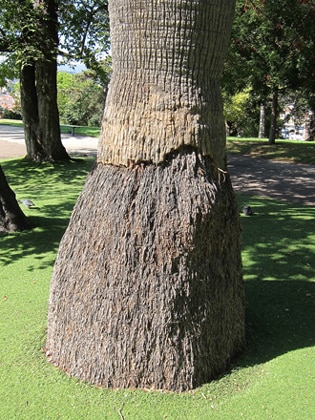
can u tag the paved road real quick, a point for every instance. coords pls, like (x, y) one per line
(278, 180)
(12, 143)
(274, 179)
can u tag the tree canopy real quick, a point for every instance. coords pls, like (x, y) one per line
(31, 35)
(273, 49)
(83, 30)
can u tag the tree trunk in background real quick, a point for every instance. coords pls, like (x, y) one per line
(49, 127)
(262, 122)
(11, 216)
(309, 124)
(39, 91)
(274, 116)
(29, 105)
(147, 288)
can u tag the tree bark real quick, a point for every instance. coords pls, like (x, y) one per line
(170, 94)
(147, 288)
(11, 216)
(39, 91)
(49, 126)
(274, 116)
(34, 148)
(309, 126)
(262, 121)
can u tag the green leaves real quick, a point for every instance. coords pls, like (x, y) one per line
(28, 29)
(277, 39)
(272, 48)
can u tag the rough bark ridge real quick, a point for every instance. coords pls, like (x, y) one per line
(164, 90)
(149, 296)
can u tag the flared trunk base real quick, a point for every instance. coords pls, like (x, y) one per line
(147, 289)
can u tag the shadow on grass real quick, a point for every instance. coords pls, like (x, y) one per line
(279, 272)
(280, 318)
(34, 175)
(40, 243)
(54, 188)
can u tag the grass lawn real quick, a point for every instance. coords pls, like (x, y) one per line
(274, 379)
(78, 130)
(289, 150)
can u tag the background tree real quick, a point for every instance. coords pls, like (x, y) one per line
(32, 38)
(29, 31)
(240, 112)
(273, 51)
(11, 216)
(147, 287)
(81, 96)
(84, 33)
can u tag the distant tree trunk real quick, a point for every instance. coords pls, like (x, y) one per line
(309, 126)
(49, 127)
(29, 105)
(39, 91)
(11, 216)
(147, 288)
(274, 116)
(262, 122)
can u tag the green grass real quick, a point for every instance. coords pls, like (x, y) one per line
(80, 130)
(12, 123)
(66, 129)
(275, 377)
(288, 150)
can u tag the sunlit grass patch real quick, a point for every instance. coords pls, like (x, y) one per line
(285, 150)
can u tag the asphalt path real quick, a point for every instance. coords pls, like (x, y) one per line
(274, 179)
(12, 143)
(269, 178)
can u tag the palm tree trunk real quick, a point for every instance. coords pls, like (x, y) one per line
(170, 93)
(147, 287)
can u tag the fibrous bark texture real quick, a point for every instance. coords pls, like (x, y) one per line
(151, 294)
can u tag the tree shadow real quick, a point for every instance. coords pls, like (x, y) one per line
(277, 180)
(40, 243)
(279, 273)
(280, 318)
(32, 174)
(54, 187)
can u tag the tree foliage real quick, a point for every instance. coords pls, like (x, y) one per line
(83, 30)
(81, 97)
(31, 33)
(273, 48)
